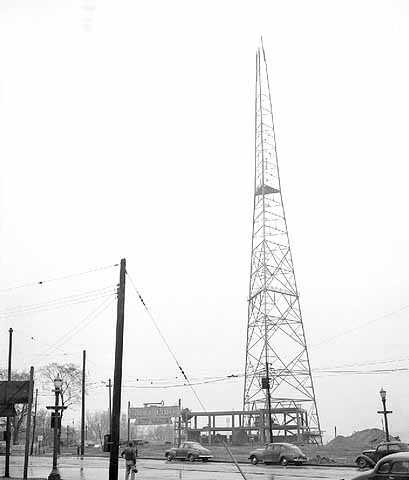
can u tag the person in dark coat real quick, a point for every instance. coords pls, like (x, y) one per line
(130, 453)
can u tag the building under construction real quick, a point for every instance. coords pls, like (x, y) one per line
(289, 424)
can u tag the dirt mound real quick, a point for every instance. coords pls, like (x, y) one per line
(368, 438)
(343, 443)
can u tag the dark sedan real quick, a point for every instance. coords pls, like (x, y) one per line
(283, 453)
(395, 466)
(189, 451)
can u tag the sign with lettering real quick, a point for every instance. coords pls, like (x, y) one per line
(153, 421)
(153, 412)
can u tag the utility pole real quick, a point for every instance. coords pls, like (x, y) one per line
(28, 422)
(8, 424)
(129, 423)
(110, 403)
(180, 423)
(83, 404)
(34, 423)
(116, 404)
(270, 427)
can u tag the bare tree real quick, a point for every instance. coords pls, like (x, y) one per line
(98, 425)
(71, 377)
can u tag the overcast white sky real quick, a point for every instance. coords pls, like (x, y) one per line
(127, 130)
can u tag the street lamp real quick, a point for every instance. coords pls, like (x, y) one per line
(384, 412)
(55, 474)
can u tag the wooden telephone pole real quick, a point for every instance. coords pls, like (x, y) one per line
(8, 424)
(110, 402)
(84, 353)
(116, 401)
(28, 423)
(34, 424)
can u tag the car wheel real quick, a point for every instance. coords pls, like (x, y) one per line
(361, 462)
(284, 462)
(191, 458)
(254, 460)
(169, 457)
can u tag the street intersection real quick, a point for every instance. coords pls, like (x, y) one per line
(72, 468)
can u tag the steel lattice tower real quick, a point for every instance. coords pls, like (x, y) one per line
(276, 346)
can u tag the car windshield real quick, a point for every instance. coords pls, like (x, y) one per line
(195, 445)
(294, 449)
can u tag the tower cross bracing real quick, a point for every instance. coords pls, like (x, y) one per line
(276, 345)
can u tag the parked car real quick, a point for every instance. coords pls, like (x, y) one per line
(394, 466)
(189, 451)
(283, 453)
(368, 458)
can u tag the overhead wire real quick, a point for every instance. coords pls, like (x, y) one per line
(358, 327)
(179, 366)
(56, 303)
(86, 321)
(164, 340)
(56, 279)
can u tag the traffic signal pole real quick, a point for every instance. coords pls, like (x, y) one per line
(116, 400)
(270, 427)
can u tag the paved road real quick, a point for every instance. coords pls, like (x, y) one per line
(72, 468)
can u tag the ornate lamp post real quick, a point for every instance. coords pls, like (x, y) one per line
(55, 474)
(384, 412)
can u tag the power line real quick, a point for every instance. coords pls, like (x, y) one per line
(87, 320)
(165, 341)
(56, 279)
(351, 330)
(60, 302)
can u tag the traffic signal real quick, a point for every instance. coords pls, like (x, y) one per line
(265, 383)
(55, 420)
(107, 443)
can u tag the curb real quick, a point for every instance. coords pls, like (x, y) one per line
(241, 462)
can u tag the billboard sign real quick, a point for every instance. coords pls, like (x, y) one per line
(153, 421)
(153, 412)
(14, 392)
(7, 411)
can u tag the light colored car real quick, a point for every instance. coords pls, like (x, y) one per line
(189, 451)
(391, 467)
(283, 453)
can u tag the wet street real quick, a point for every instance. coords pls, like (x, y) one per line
(72, 468)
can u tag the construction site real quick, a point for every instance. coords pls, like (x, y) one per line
(279, 401)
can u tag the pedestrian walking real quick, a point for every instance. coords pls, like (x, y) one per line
(130, 453)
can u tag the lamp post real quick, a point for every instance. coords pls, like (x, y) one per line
(55, 474)
(385, 412)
